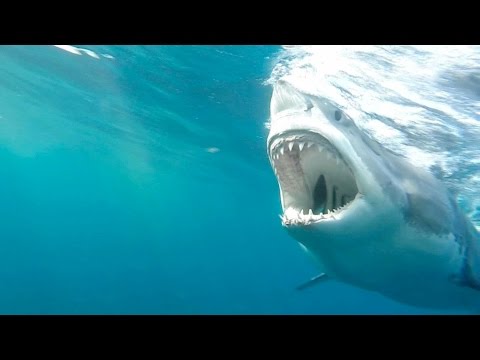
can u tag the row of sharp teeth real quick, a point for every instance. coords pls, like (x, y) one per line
(289, 147)
(279, 150)
(292, 216)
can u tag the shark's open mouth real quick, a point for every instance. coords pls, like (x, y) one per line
(316, 183)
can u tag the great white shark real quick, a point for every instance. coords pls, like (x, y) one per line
(367, 216)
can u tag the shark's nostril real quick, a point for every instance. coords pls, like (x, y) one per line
(309, 105)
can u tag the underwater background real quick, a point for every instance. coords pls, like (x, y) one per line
(135, 179)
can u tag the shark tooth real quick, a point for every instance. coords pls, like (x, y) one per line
(301, 145)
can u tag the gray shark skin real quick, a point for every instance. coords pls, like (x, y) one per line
(367, 216)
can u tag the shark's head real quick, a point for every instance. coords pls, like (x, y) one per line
(327, 169)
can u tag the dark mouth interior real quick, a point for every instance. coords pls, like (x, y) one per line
(313, 176)
(320, 195)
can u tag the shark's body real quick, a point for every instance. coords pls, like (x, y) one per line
(369, 217)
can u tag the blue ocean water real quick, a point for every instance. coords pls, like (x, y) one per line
(135, 179)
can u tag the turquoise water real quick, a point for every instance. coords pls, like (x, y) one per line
(135, 180)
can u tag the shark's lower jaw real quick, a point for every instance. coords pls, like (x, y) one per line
(316, 184)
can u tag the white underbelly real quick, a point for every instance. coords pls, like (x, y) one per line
(407, 266)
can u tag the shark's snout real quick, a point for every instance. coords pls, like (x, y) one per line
(286, 98)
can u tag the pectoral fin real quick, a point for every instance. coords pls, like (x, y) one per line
(313, 281)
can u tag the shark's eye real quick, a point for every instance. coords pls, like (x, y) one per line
(338, 115)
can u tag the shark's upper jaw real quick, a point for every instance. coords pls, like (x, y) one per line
(316, 184)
